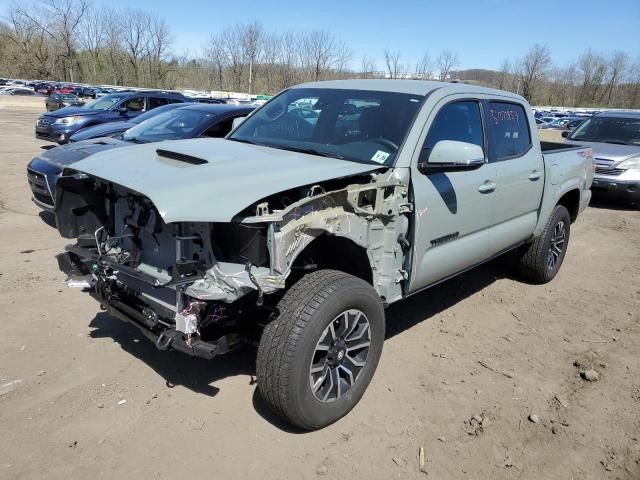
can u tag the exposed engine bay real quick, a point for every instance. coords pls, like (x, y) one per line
(203, 287)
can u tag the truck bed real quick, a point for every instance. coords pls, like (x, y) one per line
(552, 147)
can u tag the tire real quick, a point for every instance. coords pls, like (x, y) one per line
(540, 261)
(294, 343)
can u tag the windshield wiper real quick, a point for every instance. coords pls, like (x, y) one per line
(312, 151)
(134, 140)
(250, 142)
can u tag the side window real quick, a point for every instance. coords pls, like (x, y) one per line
(459, 121)
(510, 128)
(134, 104)
(153, 102)
(220, 129)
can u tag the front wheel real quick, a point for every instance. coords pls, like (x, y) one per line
(542, 258)
(318, 355)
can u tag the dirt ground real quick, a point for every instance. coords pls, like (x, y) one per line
(465, 365)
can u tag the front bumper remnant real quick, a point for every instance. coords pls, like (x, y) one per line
(169, 338)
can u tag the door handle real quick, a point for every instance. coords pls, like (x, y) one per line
(535, 175)
(487, 187)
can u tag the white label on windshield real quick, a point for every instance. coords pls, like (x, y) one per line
(380, 156)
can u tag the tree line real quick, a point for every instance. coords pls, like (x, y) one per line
(76, 41)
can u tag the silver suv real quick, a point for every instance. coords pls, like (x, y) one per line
(615, 140)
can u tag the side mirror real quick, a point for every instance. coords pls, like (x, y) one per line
(565, 134)
(452, 155)
(122, 110)
(237, 121)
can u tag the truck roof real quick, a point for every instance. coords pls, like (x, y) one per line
(620, 113)
(412, 87)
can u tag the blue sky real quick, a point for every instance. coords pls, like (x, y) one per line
(482, 32)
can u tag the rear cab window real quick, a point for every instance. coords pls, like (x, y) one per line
(509, 127)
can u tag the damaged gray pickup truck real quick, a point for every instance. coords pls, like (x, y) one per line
(330, 202)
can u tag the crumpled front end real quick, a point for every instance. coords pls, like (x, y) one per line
(202, 287)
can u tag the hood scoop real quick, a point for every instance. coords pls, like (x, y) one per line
(181, 157)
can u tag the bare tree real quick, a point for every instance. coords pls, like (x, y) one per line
(217, 62)
(33, 51)
(271, 52)
(593, 69)
(505, 78)
(425, 67)
(617, 65)
(342, 63)
(289, 58)
(92, 37)
(159, 44)
(633, 84)
(60, 20)
(251, 35)
(367, 67)
(231, 44)
(533, 67)
(446, 62)
(113, 45)
(135, 39)
(320, 52)
(392, 60)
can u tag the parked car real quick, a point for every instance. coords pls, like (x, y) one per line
(206, 100)
(565, 124)
(60, 125)
(69, 89)
(299, 234)
(112, 129)
(615, 140)
(62, 100)
(20, 91)
(93, 92)
(177, 121)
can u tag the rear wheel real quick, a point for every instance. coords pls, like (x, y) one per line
(541, 260)
(318, 355)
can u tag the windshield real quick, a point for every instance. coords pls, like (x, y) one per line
(357, 125)
(68, 96)
(155, 111)
(104, 103)
(171, 125)
(617, 130)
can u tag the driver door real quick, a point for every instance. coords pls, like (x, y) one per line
(453, 206)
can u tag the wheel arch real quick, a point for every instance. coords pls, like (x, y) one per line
(571, 201)
(335, 252)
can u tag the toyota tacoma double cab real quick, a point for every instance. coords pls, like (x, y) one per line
(325, 205)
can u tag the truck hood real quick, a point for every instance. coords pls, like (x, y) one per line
(609, 151)
(232, 176)
(68, 111)
(65, 155)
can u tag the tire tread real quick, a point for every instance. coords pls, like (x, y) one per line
(281, 336)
